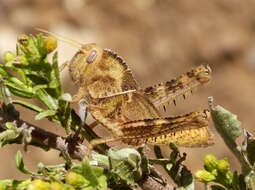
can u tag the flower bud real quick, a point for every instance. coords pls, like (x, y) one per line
(214, 172)
(50, 43)
(210, 162)
(223, 166)
(74, 179)
(204, 176)
(38, 185)
(55, 186)
(2, 186)
(8, 56)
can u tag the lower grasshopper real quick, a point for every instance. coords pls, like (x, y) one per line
(116, 101)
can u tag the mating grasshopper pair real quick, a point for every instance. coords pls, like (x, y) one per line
(116, 101)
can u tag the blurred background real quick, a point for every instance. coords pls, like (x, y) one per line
(159, 39)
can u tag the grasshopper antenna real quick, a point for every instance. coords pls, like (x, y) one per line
(62, 38)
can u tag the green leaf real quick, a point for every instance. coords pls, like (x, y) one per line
(131, 155)
(235, 181)
(102, 183)
(98, 171)
(160, 161)
(126, 163)
(37, 79)
(101, 159)
(250, 180)
(47, 100)
(251, 150)
(88, 173)
(217, 187)
(56, 73)
(88, 188)
(46, 113)
(144, 162)
(41, 45)
(66, 97)
(23, 184)
(9, 125)
(169, 166)
(27, 105)
(39, 87)
(226, 122)
(19, 92)
(242, 183)
(3, 185)
(20, 164)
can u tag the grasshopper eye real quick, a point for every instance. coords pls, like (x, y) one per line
(92, 56)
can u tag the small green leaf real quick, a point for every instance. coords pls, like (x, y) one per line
(20, 164)
(98, 171)
(19, 92)
(37, 79)
(226, 122)
(15, 81)
(3, 186)
(56, 73)
(75, 179)
(217, 187)
(47, 100)
(131, 155)
(88, 188)
(40, 44)
(144, 162)
(46, 113)
(102, 183)
(40, 86)
(88, 173)
(9, 125)
(101, 159)
(251, 150)
(66, 97)
(169, 166)
(160, 161)
(235, 181)
(23, 184)
(250, 180)
(28, 105)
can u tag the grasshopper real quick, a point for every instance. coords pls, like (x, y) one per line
(116, 101)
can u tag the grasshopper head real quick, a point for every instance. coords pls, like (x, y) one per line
(84, 62)
(203, 74)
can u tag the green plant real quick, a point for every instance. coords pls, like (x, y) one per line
(30, 75)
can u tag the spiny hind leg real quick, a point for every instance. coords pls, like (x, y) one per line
(180, 86)
(187, 130)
